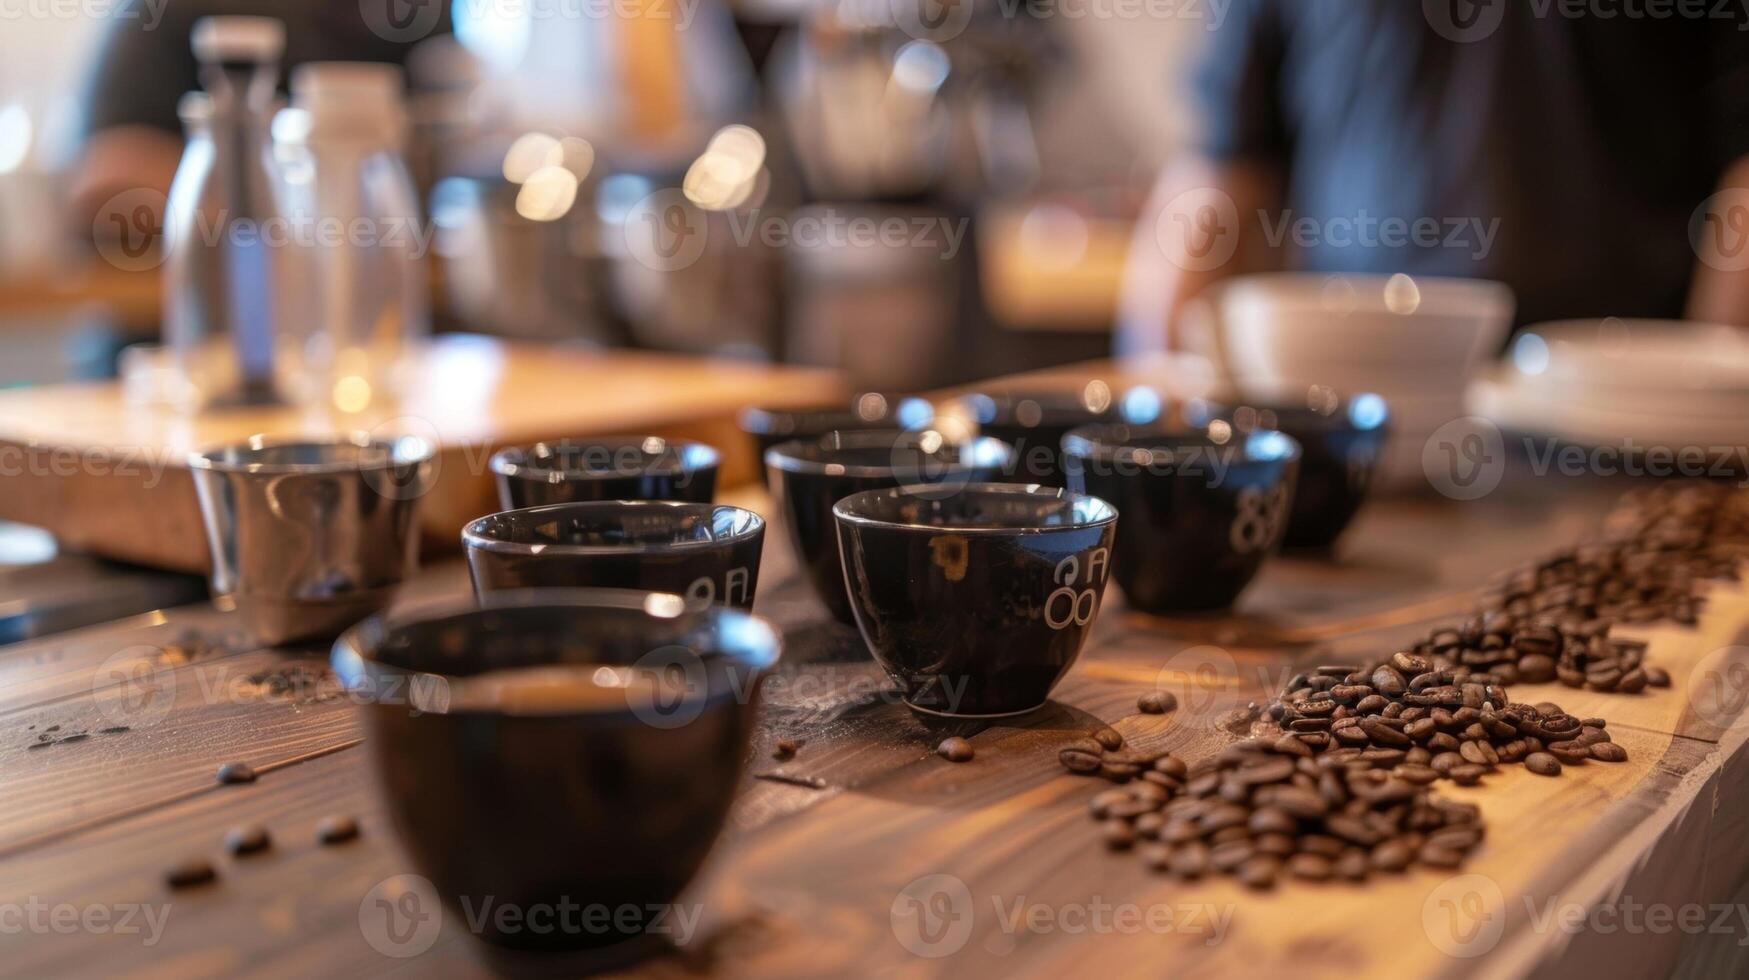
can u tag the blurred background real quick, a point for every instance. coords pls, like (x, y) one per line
(1014, 155)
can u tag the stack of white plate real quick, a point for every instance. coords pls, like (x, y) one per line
(1624, 384)
(1417, 341)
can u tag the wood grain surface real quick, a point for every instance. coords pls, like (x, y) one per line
(825, 854)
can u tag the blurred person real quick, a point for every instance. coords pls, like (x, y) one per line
(1574, 158)
(145, 62)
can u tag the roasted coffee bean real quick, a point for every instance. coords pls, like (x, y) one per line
(1657, 677)
(252, 839)
(1543, 764)
(1118, 834)
(1190, 860)
(1080, 761)
(1157, 702)
(1353, 864)
(1309, 866)
(1229, 855)
(1108, 739)
(236, 772)
(955, 749)
(1608, 752)
(1260, 871)
(1391, 855)
(190, 873)
(1569, 753)
(336, 830)
(1436, 856)
(784, 749)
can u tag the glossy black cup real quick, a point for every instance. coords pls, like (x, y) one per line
(1035, 422)
(1341, 440)
(563, 749)
(978, 603)
(1201, 509)
(704, 552)
(808, 477)
(869, 410)
(616, 468)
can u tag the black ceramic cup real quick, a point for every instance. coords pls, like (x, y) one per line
(868, 410)
(1201, 508)
(808, 477)
(1035, 422)
(1341, 440)
(703, 552)
(978, 603)
(615, 468)
(558, 753)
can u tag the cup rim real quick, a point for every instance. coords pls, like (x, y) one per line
(1034, 490)
(1291, 414)
(1090, 442)
(784, 456)
(504, 463)
(763, 420)
(353, 659)
(403, 450)
(475, 538)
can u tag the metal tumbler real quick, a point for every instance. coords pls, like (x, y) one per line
(309, 537)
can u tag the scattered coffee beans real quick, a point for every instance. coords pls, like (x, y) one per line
(1157, 702)
(785, 749)
(955, 749)
(252, 839)
(190, 873)
(236, 772)
(336, 830)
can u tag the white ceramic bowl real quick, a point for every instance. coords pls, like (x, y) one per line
(1389, 334)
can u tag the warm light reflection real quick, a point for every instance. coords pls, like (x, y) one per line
(547, 195)
(1096, 396)
(530, 153)
(1402, 295)
(14, 137)
(352, 394)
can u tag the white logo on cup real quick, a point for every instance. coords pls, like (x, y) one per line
(1199, 229)
(134, 687)
(1465, 458)
(401, 21)
(932, 916)
(1719, 230)
(1718, 689)
(1204, 680)
(667, 687)
(401, 916)
(932, 20)
(129, 228)
(1068, 605)
(1259, 520)
(1464, 21)
(665, 231)
(1464, 916)
(703, 590)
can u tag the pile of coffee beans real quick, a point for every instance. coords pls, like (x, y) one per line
(1257, 812)
(1422, 722)
(1549, 620)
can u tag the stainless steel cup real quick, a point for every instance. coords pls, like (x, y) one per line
(309, 537)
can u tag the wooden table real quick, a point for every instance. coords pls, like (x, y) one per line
(817, 880)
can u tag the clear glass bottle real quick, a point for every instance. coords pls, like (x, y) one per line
(357, 231)
(221, 324)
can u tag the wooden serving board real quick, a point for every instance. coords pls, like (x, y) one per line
(107, 477)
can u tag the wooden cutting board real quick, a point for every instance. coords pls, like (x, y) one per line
(108, 477)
